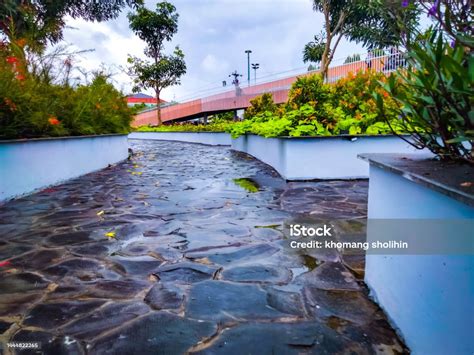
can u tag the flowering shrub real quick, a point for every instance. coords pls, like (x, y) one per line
(33, 105)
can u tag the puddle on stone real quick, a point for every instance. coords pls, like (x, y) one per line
(310, 262)
(247, 184)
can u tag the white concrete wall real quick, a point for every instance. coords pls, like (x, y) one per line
(429, 298)
(320, 157)
(209, 138)
(26, 166)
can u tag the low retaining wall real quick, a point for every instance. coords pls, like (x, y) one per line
(427, 295)
(29, 165)
(209, 138)
(308, 158)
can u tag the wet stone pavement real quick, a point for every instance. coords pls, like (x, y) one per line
(182, 250)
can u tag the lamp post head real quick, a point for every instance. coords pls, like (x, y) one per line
(248, 51)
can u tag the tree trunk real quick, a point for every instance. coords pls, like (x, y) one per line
(325, 58)
(158, 108)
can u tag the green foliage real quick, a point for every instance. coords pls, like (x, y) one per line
(308, 89)
(223, 117)
(370, 22)
(157, 75)
(436, 96)
(313, 51)
(32, 107)
(318, 109)
(43, 21)
(260, 104)
(352, 58)
(217, 126)
(155, 27)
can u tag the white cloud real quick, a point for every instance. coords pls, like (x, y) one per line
(213, 35)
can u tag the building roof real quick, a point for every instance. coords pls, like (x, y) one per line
(140, 96)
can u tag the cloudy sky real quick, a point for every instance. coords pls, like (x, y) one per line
(213, 35)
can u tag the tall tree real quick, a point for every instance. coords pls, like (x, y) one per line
(313, 51)
(156, 28)
(43, 21)
(371, 23)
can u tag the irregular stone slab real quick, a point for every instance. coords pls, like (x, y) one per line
(105, 318)
(329, 276)
(40, 259)
(83, 269)
(14, 304)
(157, 333)
(112, 289)
(224, 301)
(286, 302)
(92, 249)
(70, 239)
(377, 334)
(22, 282)
(352, 306)
(356, 263)
(4, 326)
(241, 254)
(117, 288)
(282, 338)
(166, 253)
(52, 315)
(50, 344)
(186, 272)
(257, 273)
(137, 266)
(164, 296)
(8, 251)
(266, 234)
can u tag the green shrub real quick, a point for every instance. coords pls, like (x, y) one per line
(309, 89)
(436, 97)
(33, 105)
(259, 105)
(219, 126)
(315, 108)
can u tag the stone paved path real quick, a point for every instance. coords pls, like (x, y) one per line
(168, 254)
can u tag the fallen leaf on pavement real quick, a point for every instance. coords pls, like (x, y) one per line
(110, 234)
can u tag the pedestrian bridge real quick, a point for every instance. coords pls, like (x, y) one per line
(239, 97)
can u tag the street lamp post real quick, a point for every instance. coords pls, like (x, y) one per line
(255, 66)
(248, 51)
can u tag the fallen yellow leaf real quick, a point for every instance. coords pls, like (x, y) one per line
(110, 234)
(100, 213)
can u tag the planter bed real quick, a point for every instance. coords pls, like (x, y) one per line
(29, 165)
(208, 138)
(428, 295)
(310, 158)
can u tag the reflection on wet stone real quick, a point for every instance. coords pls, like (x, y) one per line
(194, 262)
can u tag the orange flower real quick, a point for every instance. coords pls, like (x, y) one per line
(12, 60)
(53, 121)
(20, 77)
(21, 42)
(97, 105)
